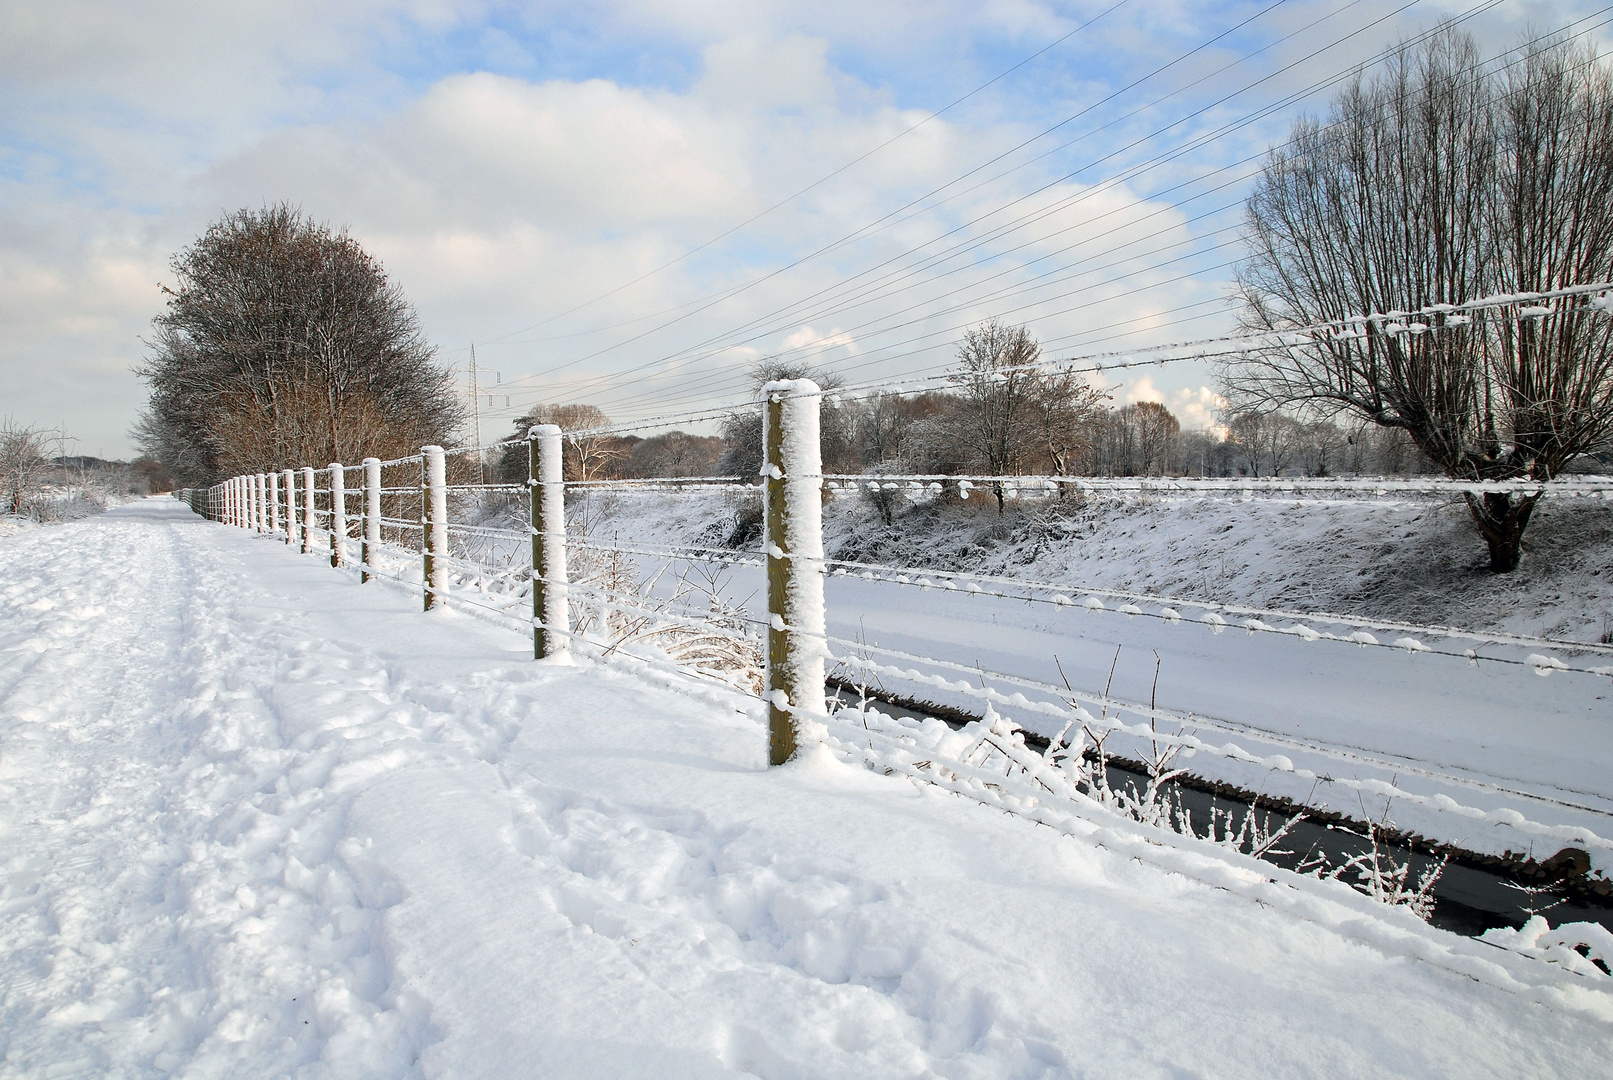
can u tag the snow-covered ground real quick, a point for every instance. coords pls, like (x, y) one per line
(259, 820)
(1495, 737)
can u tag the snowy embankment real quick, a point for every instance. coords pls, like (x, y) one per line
(258, 820)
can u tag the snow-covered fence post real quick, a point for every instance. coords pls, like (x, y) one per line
(238, 502)
(259, 519)
(546, 495)
(271, 497)
(372, 517)
(288, 480)
(338, 515)
(309, 510)
(434, 524)
(792, 478)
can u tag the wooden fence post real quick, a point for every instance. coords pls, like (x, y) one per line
(434, 524)
(338, 515)
(236, 517)
(546, 495)
(369, 546)
(309, 510)
(271, 496)
(793, 509)
(288, 480)
(256, 480)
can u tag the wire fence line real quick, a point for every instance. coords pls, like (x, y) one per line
(433, 523)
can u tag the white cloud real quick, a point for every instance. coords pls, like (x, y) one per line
(1197, 407)
(758, 73)
(814, 344)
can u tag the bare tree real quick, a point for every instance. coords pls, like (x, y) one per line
(1159, 437)
(1266, 438)
(837, 425)
(1063, 413)
(994, 388)
(1321, 444)
(26, 459)
(286, 344)
(587, 451)
(676, 453)
(1433, 184)
(886, 423)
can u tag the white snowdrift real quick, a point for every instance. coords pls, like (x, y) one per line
(258, 820)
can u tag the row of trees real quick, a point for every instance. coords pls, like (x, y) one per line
(1001, 416)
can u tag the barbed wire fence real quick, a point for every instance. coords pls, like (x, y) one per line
(501, 547)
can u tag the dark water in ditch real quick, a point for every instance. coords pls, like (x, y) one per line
(1470, 898)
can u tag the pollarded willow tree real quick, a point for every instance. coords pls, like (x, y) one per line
(285, 344)
(1444, 180)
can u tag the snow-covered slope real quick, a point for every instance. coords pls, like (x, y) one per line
(258, 820)
(1409, 559)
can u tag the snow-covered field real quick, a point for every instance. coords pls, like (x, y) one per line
(257, 820)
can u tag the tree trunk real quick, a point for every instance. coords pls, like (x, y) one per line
(1501, 522)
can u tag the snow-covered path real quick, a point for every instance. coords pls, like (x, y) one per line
(257, 820)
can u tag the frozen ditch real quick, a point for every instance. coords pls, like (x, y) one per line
(1472, 893)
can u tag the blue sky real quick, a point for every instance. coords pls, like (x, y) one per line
(510, 162)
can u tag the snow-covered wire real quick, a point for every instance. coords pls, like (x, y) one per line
(1170, 606)
(1170, 612)
(666, 421)
(617, 600)
(1048, 483)
(489, 530)
(452, 451)
(682, 552)
(699, 482)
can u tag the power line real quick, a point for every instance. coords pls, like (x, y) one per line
(823, 179)
(1568, 26)
(1035, 215)
(856, 234)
